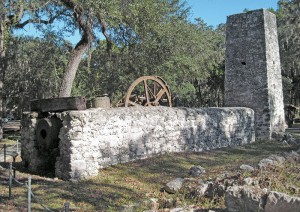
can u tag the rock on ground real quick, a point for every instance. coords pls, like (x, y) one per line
(272, 160)
(197, 171)
(245, 198)
(292, 156)
(174, 185)
(279, 202)
(246, 167)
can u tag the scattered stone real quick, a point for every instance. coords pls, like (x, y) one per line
(290, 139)
(255, 182)
(214, 189)
(284, 142)
(167, 203)
(219, 180)
(264, 163)
(152, 204)
(230, 182)
(224, 174)
(249, 197)
(248, 181)
(210, 191)
(173, 186)
(273, 160)
(246, 167)
(220, 190)
(292, 156)
(278, 160)
(201, 189)
(130, 208)
(278, 202)
(197, 171)
(284, 138)
(245, 198)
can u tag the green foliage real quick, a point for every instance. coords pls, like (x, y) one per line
(289, 38)
(34, 72)
(153, 38)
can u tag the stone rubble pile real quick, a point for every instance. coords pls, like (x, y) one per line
(284, 138)
(241, 194)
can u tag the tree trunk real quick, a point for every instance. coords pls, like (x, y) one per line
(2, 69)
(69, 76)
(86, 26)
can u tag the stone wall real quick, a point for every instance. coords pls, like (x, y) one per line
(253, 73)
(41, 161)
(97, 138)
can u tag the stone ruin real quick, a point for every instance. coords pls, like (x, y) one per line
(253, 74)
(96, 138)
(64, 137)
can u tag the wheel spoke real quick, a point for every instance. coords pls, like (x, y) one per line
(156, 88)
(150, 92)
(159, 95)
(146, 91)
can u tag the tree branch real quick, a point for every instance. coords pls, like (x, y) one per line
(88, 34)
(39, 21)
(21, 25)
(104, 32)
(10, 19)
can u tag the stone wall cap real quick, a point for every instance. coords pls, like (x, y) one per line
(262, 11)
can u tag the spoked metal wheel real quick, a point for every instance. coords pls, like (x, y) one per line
(148, 91)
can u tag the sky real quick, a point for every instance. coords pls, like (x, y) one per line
(214, 12)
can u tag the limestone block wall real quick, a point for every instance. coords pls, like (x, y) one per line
(253, 72)
(97, 138)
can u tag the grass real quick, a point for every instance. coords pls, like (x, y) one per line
(137, 182)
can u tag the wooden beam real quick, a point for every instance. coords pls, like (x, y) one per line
(58, 104)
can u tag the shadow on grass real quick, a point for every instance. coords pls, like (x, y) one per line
(53, 193)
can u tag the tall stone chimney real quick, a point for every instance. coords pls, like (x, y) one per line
(252, 69)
